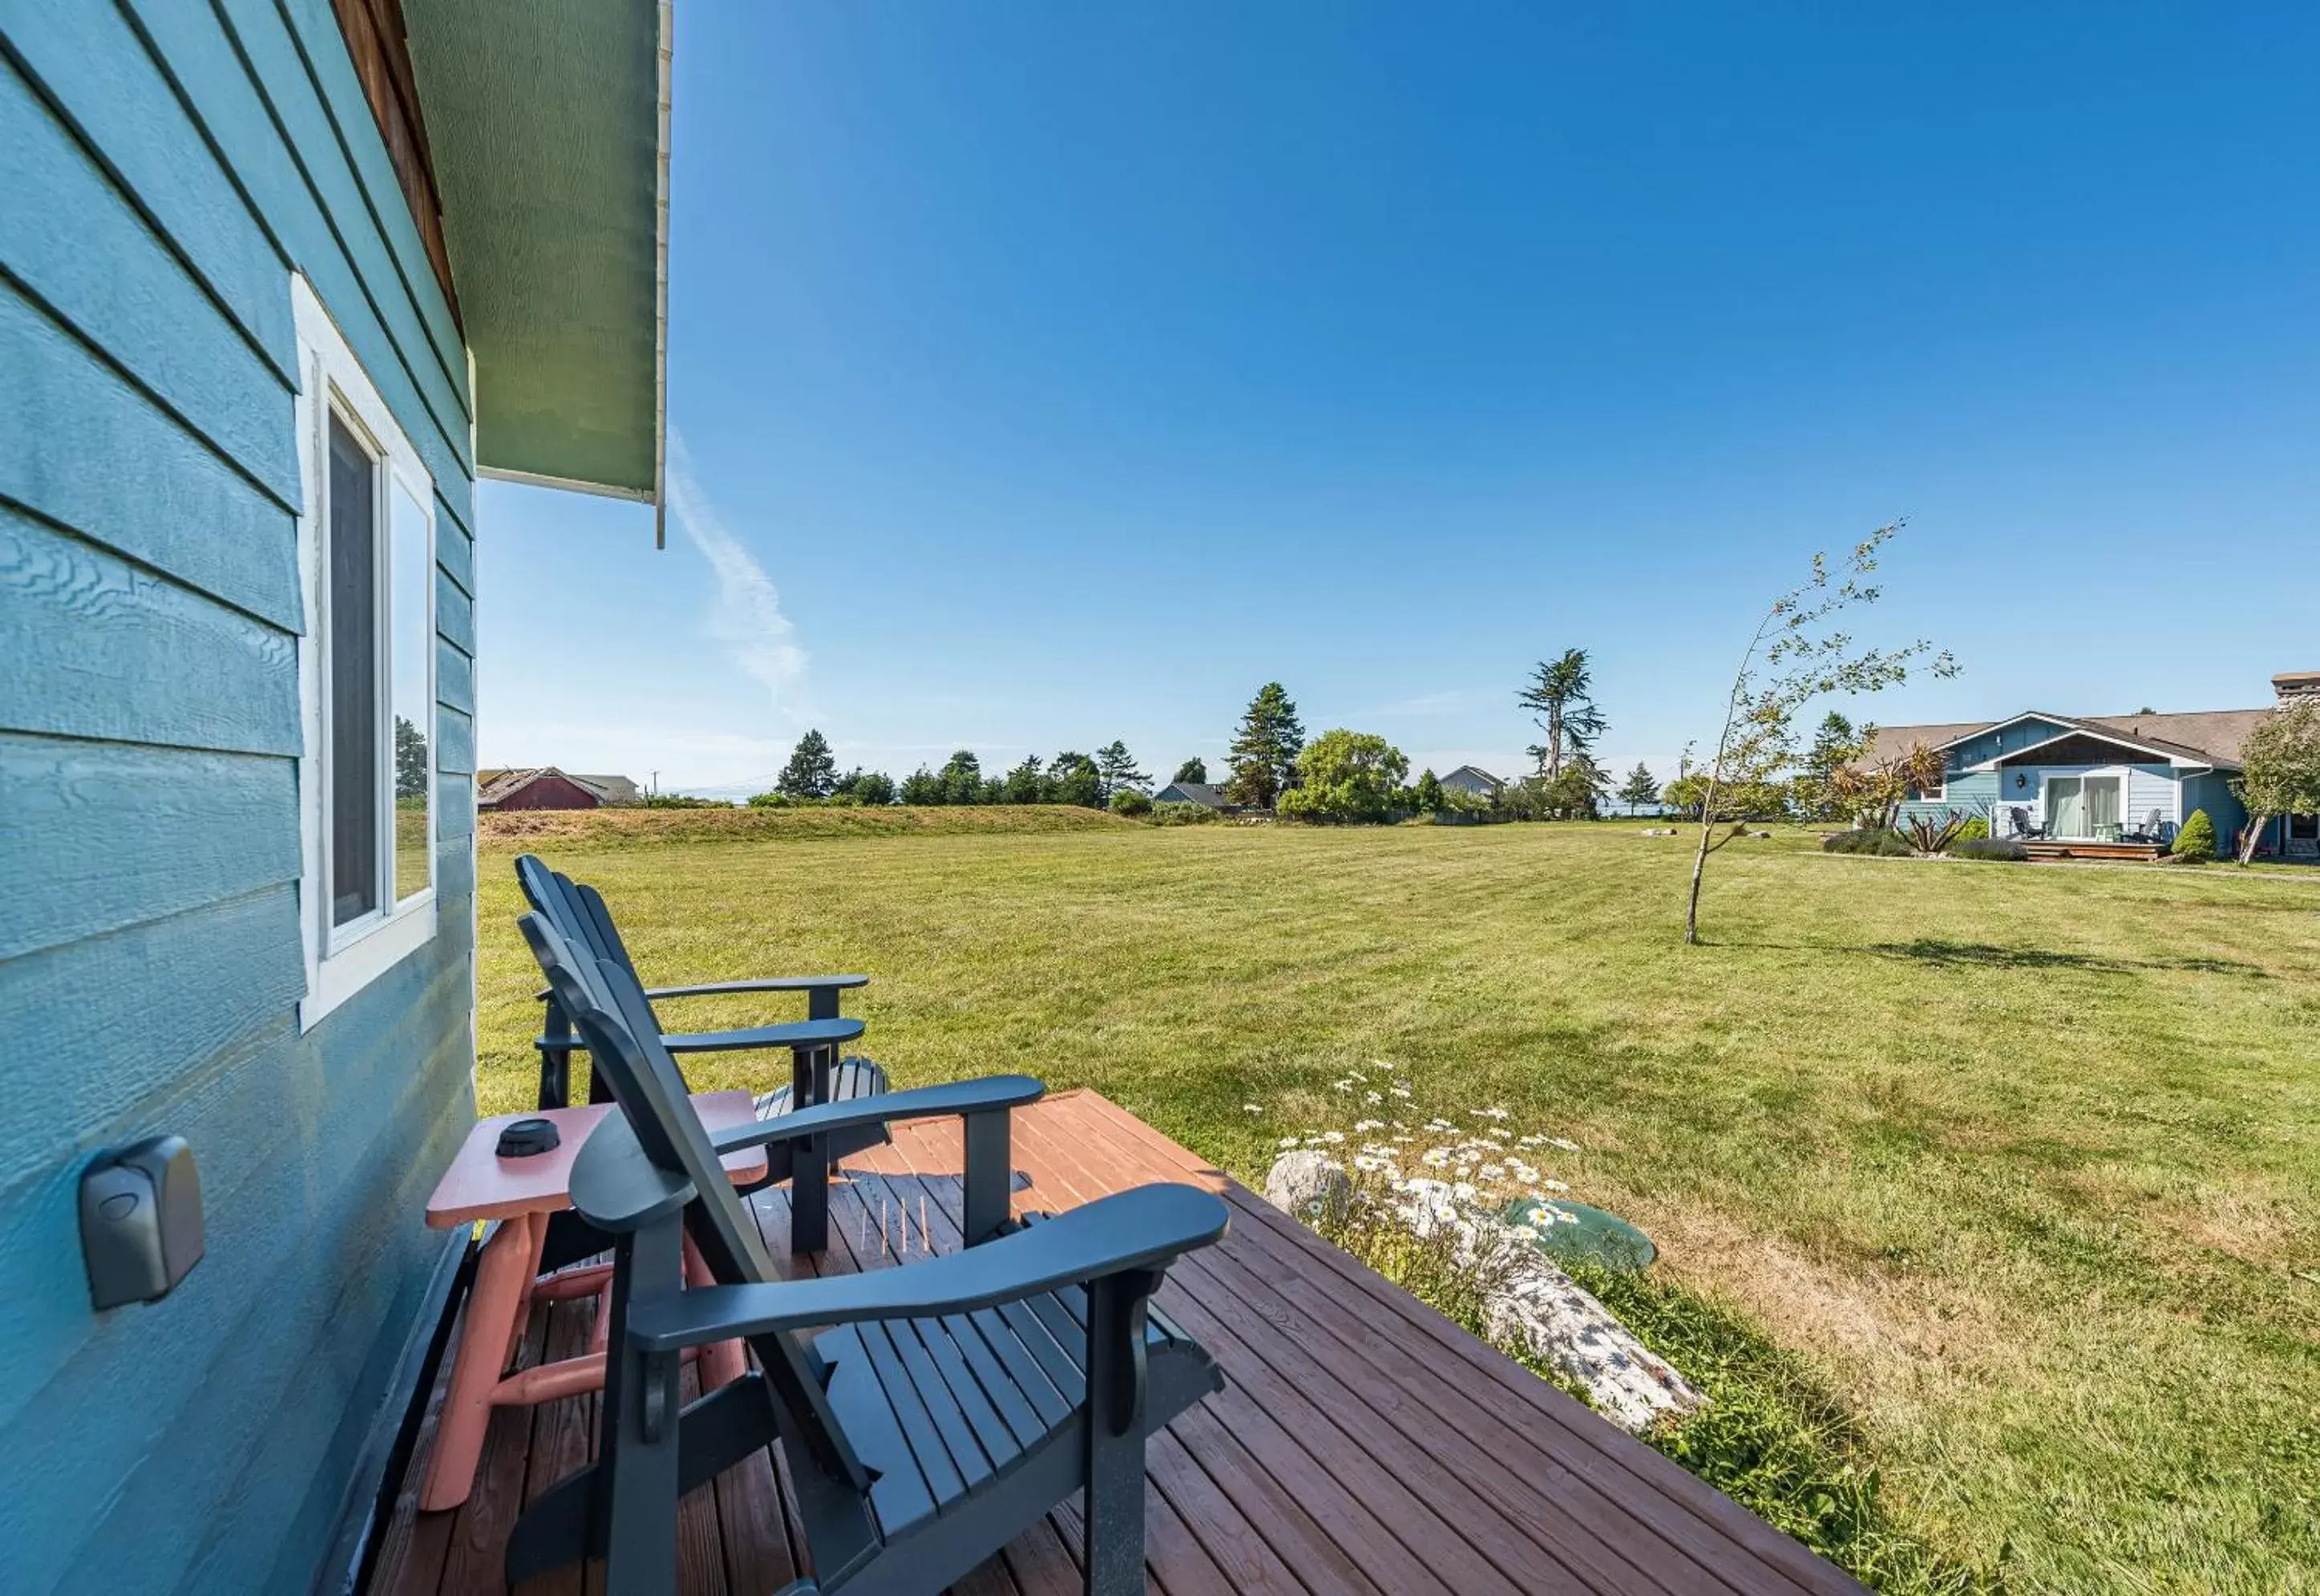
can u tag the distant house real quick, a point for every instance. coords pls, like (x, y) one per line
(2122, 779)
(1473, 778)
(546, 787)
(1199, 793)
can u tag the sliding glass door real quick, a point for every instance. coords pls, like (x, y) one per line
(2084, 807)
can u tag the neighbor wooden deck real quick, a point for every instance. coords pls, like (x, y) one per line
(1364, 1444)
(2064, 849)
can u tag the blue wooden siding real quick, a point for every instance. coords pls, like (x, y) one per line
(2225, 812)
(167, 166)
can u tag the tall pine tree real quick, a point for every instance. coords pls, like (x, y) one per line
(1561, 700)
(1264, 748)
(812, 771)
(1118, 767)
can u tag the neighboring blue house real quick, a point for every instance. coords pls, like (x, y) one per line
(1474, 781)
(277, 279)
(2101, 778)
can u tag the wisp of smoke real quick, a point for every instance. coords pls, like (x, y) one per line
(746, 620)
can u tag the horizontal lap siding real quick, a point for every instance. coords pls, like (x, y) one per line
(167, 166)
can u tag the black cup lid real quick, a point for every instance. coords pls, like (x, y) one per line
(526, 1138)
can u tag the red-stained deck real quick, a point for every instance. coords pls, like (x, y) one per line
(1364, 1443)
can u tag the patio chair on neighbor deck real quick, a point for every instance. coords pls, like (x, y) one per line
(818, 1075)
(945, 1405)
(2024, 826)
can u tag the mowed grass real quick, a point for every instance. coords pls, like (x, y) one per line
(2019, 1163)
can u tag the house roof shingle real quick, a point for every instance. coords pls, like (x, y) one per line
(492, 786)
(2211, 735)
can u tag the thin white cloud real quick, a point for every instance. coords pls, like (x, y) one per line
(746, 619)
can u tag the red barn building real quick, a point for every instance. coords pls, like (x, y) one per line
(546, 787)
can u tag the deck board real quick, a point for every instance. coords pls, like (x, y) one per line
(1364, 1444)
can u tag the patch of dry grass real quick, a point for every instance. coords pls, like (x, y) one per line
(2019, 1163)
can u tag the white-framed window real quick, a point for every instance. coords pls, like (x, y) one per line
(366, 674)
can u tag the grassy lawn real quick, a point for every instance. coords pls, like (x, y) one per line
(2017, 1163)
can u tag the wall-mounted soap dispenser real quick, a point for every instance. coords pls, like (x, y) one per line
(140, 1220)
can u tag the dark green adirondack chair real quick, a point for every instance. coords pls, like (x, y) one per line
(818, 1074)
(943, 1407)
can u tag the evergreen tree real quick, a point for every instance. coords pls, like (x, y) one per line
(812, 771)
(1073, 779)
(1118, 768)
(410, 760)
(1642, 787)
(1264, 748)
(1193, 770)
(1428, 798)
(1561, 700)
(962, 778)
(922, 786)
(994, 790)
(1024, 784)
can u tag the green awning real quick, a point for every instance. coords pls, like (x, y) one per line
(548, 121)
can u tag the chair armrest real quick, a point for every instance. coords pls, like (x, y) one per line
(769, 983)
(1145, 1228)
(797, 1033)
(988, 1095)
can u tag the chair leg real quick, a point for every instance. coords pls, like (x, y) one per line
(990, 1174)
(809, 1196)
(637, 1474)
(1112, 1526)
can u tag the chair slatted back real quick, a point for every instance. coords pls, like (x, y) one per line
(609, 1008)
(576, 912)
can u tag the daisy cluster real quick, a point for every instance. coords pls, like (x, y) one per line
(1474, 1162)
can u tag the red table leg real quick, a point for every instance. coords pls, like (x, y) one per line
(502, 1282)
(725, 1361)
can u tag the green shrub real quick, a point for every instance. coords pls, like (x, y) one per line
(1183, 814)
(1990, 847)
(1974, 830)
(770, 801)
(1129, 802)
(1868, 839)
(680, 800)
(2195, 844)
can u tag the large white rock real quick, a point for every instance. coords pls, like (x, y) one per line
(1532, 1306)
(1309, 1185)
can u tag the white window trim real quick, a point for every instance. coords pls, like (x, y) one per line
(342, 960)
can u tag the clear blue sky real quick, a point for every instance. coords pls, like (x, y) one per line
(1055, 373)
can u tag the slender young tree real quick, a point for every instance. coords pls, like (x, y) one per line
(1793, 656)
(2280, 770)
(1264, 748)
(812, 771)
(1561, 700)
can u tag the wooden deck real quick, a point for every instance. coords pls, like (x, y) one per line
(1364, 1444)
(2063, 849)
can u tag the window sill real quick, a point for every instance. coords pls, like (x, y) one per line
(369, 955)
